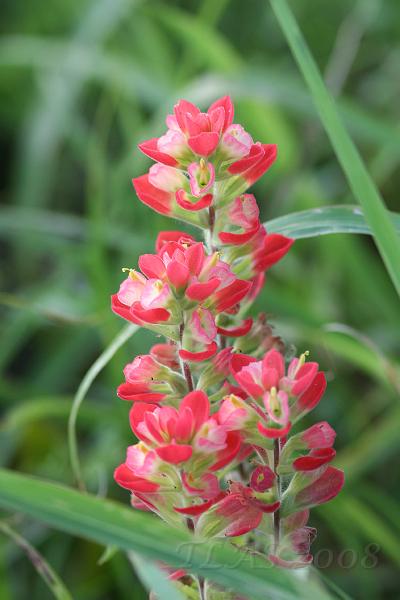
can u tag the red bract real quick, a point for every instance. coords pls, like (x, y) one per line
(264, 250)
(178, 434)
(315, 459)
(236, 514)
(148, 380)
(254, 165)
(267, 380)
(243, 213)
(322, 489)
(140, 376)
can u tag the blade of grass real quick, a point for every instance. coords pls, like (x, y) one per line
(361, 184)
(49, 576)
(99, 364)
(325, 220)
(108, 522)
(154, 579)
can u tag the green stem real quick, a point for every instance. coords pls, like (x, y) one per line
(277, 516)
(184, 365)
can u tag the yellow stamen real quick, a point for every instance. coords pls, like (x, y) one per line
(302, 360)
(274, 402)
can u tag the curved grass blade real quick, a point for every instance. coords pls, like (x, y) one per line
(361, 184)
(325, 220)
(110, 523)
(51, 579)
(86, 382)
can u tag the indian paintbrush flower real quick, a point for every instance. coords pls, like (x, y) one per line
(214, 404)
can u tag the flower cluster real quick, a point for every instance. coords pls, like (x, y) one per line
(215, 406)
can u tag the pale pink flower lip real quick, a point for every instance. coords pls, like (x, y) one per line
(166, 178)
(130, 291)
(236, 142)
(201, 177)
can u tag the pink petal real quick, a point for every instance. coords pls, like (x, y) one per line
(195, 258)
(204, 143)
(262, 478)
(316, 458)
(236, 239)
(274, 359)
(178, 274)
(128, 480)
(152, 266)
(231, 294)
(227, 105)
(185, 426)
(174, 453)
(275, 246)
(172, 236)
(304, 377)
(272, 432)
(241, 166)
(233, 443)
(269, 155)
(200, 291)
(123, 311)
(199, 404)
(149, 148)
(136, 416)
(153, 315)
(313, 394)
(183, 202)
(181, 110)
(199, 356)
(320, 435)
(156, 199)
(127, 391)
(238, 331)
(322, 490)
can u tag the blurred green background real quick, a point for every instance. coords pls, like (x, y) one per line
(82, 82)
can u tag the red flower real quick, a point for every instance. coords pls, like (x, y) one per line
(237, 513)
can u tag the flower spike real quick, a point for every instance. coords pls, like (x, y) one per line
(214, 403)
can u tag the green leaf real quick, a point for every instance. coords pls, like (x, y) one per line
(325, 220)
(361, 184)
(108, 522)
(154, 579)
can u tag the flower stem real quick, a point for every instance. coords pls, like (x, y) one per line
(184, 365)
(202, 590)
(277, 517)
